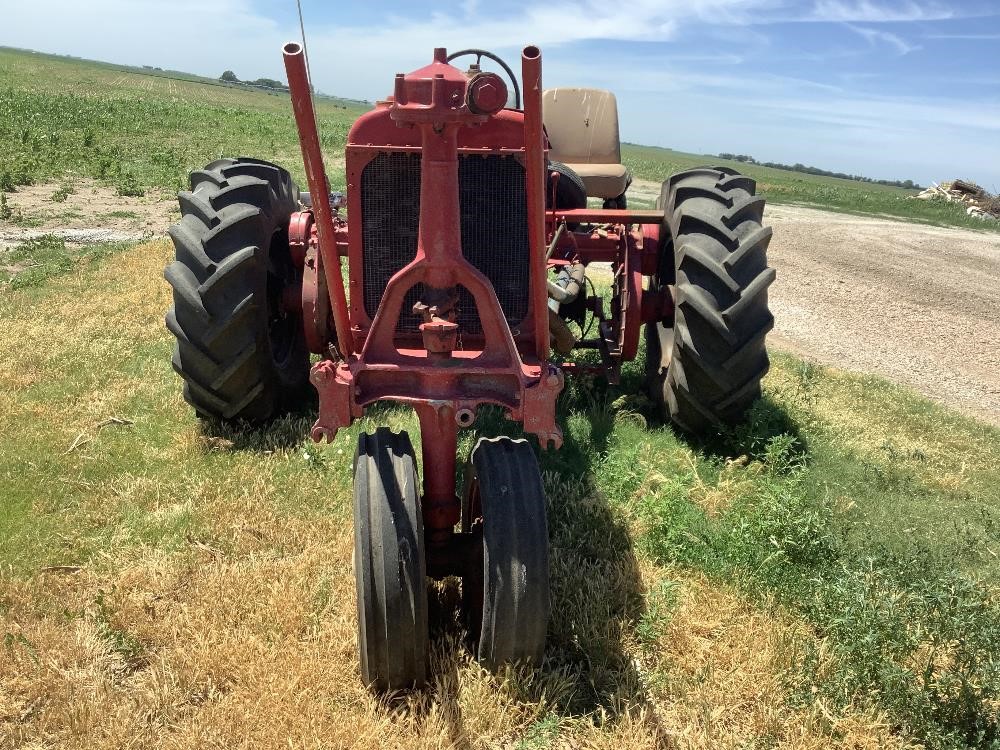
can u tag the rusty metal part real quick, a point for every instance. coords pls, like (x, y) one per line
(651, 248)
(300, 230)
(658, 306)
(605, 216)
(486, 94)
(429, 114)
(534, 176)
(439, 329)
(315, 302)
(439, 447)
(626, 300)
(476, 67)
(555, 238)
(312, 156)
(567, 285)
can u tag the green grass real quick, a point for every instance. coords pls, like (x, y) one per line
(866, 512)
(782, 186)
(139, 132)
(898, 573)
(144, 131)
(34, 261)
(869, 512)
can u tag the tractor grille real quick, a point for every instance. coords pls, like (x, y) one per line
(494, 231)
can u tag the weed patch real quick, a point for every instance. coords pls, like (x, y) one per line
(33, 262)
(907, 632)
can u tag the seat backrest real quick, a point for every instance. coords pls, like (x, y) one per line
(582, 125)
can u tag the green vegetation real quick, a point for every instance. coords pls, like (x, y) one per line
(146, 130)
(135, 131)
(780, 186)
(866, 511)
(13, 214)
(34, 261)
(852, 526)
(889, 547)
(799, 167)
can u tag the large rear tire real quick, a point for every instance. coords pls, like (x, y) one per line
(240, 353)
(506, 596)
(389, 563)
(570, 190)
(706, 370)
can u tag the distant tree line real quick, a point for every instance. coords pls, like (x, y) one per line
(261, 83)
(908, 184)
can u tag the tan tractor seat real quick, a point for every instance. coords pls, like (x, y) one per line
(582, 125)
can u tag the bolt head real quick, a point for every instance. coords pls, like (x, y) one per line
(488, 94)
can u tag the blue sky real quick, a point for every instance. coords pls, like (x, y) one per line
(888, 88)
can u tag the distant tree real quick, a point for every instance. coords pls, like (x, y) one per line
(229, 76)
(798, 167)
(269, 83)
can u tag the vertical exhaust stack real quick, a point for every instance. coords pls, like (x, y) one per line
(534, 176)
(319, 190)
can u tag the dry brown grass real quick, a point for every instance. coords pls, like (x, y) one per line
(237, 652)
(729, 666)
(239, 629)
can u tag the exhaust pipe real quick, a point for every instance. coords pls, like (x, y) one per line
(534, 178)
(319, 191)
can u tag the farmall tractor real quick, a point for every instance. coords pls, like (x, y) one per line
(468, 237)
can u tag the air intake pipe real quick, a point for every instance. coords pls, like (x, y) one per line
(312, 157)
(534, 178)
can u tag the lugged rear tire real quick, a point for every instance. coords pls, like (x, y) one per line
(570, 190)
(706, 372)
(241, 356)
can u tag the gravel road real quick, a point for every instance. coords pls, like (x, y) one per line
(919, 305)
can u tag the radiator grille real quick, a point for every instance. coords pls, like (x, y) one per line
(494, 230)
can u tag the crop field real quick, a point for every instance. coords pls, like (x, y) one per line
(135, 131)
(825, 575)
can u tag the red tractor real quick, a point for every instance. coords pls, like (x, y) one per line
(467, 247)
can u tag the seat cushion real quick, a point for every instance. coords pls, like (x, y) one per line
(582, 125)
(602, 180)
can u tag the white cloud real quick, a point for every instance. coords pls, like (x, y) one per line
(963, 36)
(667, 98)
(866, 11)
(875, 36)
(181, 34)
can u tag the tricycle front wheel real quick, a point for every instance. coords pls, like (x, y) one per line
(506, 590)
(389, 563)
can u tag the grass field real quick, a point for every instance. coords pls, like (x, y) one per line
(783, 186)
(825, 575)
(135, 130)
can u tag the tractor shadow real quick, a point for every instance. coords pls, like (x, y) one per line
(598, 594)
(596, 587)
(286, 432)
(283, 433)
(765, 421)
